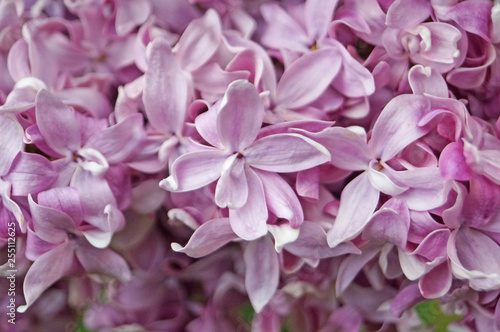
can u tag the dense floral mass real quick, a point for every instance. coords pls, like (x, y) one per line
(250, 165)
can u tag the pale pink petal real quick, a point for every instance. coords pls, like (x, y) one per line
(382, 182)
(232, 188)
(212, 81)
(482, 202)
(95, 194)
(357, 204)
(273, 153)
(94, 102)
(352, 264)
(30, 173)
(249, 221)
(239, 116)
(50, 225)
(452, 162)
(45, 271)
(120, 141)
(353, 79)
(206, 124)
(397, 126)
(129, 14)
(195, 170)
(307, 183)
(102, 261)
(308, 77)
(57, 123)
(312, 244)
(407, 13)
(209, 237)
(64, 199)
(427, 189)
(477, 258)
(433, 247)
(199, 41)
(18, 60)
(165, 89)
(262, 272)
(92, 161)
(427, 80)
(11, 142)
(282, 31)
(407, 298)
(318, 15)
(280, 198)
(437, 282)
(390, 223)
(348, 150)
(473, 16)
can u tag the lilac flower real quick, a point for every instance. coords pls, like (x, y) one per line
(245, 166)
(58, 222)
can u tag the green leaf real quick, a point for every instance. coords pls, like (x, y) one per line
(431, 314)
(80, 326)
(247, 313)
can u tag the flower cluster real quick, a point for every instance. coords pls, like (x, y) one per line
(234, 165)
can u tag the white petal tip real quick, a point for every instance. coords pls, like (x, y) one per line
(169, 184)
(176, 247)
(22, 309)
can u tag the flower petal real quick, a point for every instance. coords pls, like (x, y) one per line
(11, 142)
(262, 272)
(209, 237)
(165, 89)
(312, 244)
(102, 261)
(120, 141)
(50, 225)
(437, 282)
(308, 77)
(249, 221)
(273, 153)
(199, 41)
(240, 116)
(232, 188)
(357, 203)
(57, 123)
(45, 271)
(280, 198)
(194, 170)
(30, 173)
(397, 127)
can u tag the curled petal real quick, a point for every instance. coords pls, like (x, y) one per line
(194, 170)
(281, 199)
(232, 188)
(207, 238)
